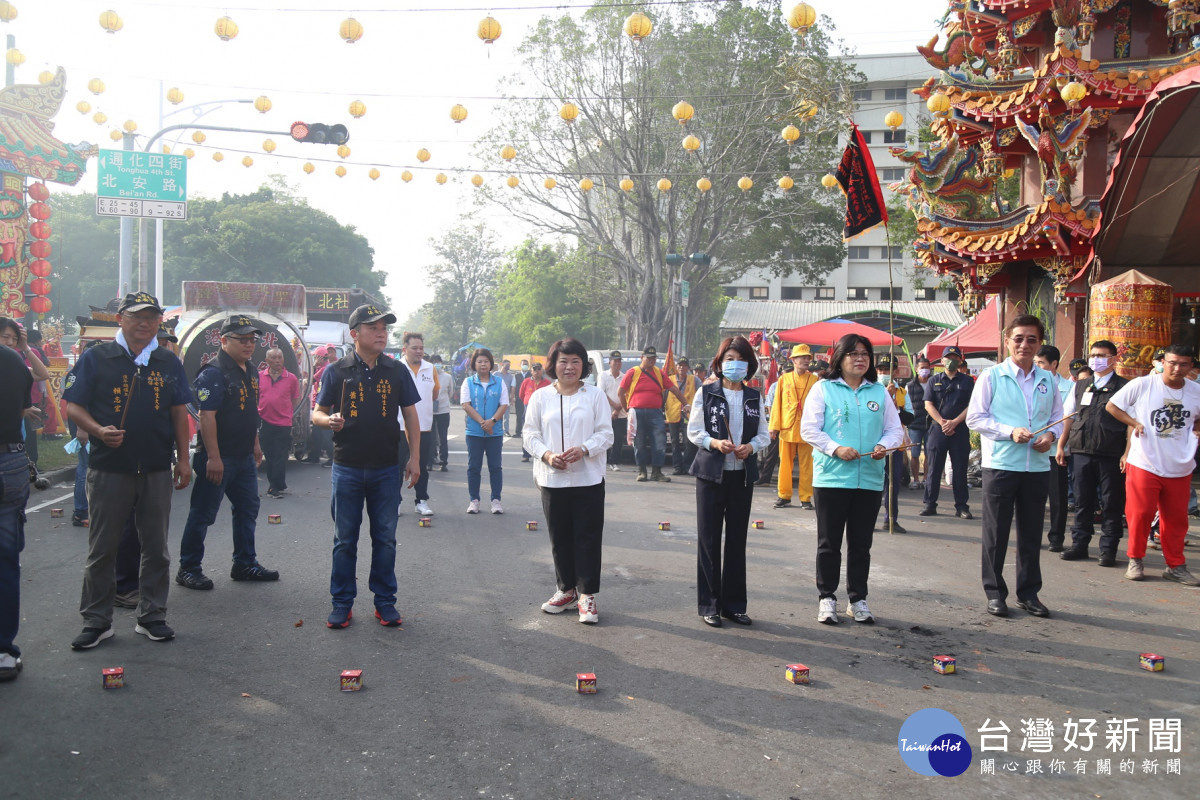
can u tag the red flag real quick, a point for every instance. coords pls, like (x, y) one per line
(864, 199)
(669, 363)
(772, 375)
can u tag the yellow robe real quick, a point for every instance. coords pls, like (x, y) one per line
(790, 394)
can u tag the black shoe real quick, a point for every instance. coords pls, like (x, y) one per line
(712, 620)
(11, 671)
(641, 478)
(1034, 607)
(252, 572)
(91, 637)
(1056, 547)
(80, 522)
(964, 513)
(680, 472)
(928, 511)
(444, 469)
(193, 578)
(782, 502)
(740, 619)
(896, 528)
(997, 608)
(525, 459)
(1107, 560)
(1072, 507)
(656, 475)
(806, 505)
(326, 464)
(1074, 554)
(156, 631)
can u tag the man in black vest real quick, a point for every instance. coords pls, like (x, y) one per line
(16, 385)
(1097, 442)
(227, 458)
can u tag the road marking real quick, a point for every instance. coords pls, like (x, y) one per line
(50, 502)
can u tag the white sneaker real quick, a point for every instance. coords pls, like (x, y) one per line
(860, 612)
(1135, 571)
(827, 611)
(615, 468)
(473, 508)
(560, 602)
(587, 609)
(496, 507)
(423, 509)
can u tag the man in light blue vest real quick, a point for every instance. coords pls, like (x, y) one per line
(1017, 410)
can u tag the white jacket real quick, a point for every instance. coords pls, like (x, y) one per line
(424, 379)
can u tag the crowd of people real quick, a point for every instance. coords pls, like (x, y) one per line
(1112, 450)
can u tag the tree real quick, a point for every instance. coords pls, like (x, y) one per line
(465, 276)
(748, 76)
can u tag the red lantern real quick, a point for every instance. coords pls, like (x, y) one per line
(40, 286)
(40, 268)
(39, 211)
(40, 305)
(40, 249)
(39, 192)
(41, 230)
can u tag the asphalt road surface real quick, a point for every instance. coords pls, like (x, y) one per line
(475, 695)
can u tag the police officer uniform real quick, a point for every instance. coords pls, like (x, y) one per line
(950, 396)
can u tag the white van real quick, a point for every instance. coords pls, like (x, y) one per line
(599, 360)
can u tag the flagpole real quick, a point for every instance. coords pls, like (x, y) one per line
(891, 465)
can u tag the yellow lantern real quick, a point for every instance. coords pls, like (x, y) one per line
(373, 174)
(111, 22)
(308, 168)
(189, 153)
(96, 86)
(351, 30)
(218, 157)
(262, 104)
(569, 112)
(406, 176)
(828, 181)
(100, 118)
(225, 29)
(488, 30)
(199, 136)
(357, 109)
(802, 17)
(790, 134)
(174, 96)
(786, 182)
(477, 181)
(14, 57)
(115, 135)
(458, 112)
(340, 171)
(1073, 93)
(549, 183)
(691, 143)
(638, 26)
(683, 112)
(45, 76)
(269, 145)
(745, 184)
(704, 184)
(83, 106)
(1008, 173)
(166, 150)
(441, 178)
(130, 125)
(664, 185)
(626, 184)
(513, 181)
(247, 161)
(586, 185)
(508, 152)
(343, 151)
(894, 119)
(422, 155)
(938, 104)
(808, 110)
(8, 12)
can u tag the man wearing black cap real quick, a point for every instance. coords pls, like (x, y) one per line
(946, 400)
(642, 390)
(130, 396)
(361, 399)
(610, 384)
(893, 466)
(227, 457)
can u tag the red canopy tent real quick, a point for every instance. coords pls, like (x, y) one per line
(979, 334)
(827, 333)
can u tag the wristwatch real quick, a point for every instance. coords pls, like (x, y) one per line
(587, 453)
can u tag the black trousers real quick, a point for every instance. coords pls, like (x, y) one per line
(276, 441)
(849, 514)
(1058, 504)
(893, 471)
(768, 460)
(441, 449)
(1099, 483)
(575, 521)
(620, 431)
(937, 446)
(721, 582)
(425, 457)
(1008, 494)
(682, 449)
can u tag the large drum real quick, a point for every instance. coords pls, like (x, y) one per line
(1133, 311)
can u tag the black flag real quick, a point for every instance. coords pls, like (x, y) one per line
(864, 198)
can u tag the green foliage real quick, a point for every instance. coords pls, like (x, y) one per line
(85, 258)
(465, 277)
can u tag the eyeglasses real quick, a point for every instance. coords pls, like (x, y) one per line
(858, 355)
(144, 318)
(243, 339)
(1025, 339)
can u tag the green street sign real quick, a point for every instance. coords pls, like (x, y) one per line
(133, 184)
(685, 288)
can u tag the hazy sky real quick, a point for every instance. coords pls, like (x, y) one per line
(414, 61)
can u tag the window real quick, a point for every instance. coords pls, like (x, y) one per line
(886, 293)
(952, 293)
(866, 136)
(891, 175)
(895, 94)
(898, 136)
(825, 293)
(759, 292)
(731, 291)
(856, 294)
(862, 95)
(897, 253)
(924, 294)
(793, 293)
(858, 253)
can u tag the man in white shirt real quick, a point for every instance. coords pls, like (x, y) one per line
(1163, 412)
(426, 379)
(610, 384)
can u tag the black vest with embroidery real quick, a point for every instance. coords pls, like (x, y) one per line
(710, 464)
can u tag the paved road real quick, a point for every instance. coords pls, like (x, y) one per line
(475, 697)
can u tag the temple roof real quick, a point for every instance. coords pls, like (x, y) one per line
(27, 144)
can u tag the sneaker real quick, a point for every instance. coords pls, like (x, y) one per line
(656, 474)
(642, 478)
(388, 616)
(827, 611)
(423, 509)
(1180, 574)
(916, 485)
(91, 637)
(340, 617)
(445, 468)
(1135, 571)
(782, 502)
(10, 667)
(497, 508)
(473, 508)
(806, 505)
(80, 522)
(127, 599)
(156, 631)
(615, 467)
(560, 602)
(252, 572)
(1154, 541)
(193, 578)
(587, 609)
(860, 612)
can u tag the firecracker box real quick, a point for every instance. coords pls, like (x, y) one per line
(585, 683)
(664, 526)
(945, 665)
(56, 513)
(425, 522)
(1152, 662)
(531, 525)
(274, 519)
(114, 677)
(796, 673)
(758, 523)
(352, 680)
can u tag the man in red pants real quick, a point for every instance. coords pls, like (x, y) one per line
(1163, 411)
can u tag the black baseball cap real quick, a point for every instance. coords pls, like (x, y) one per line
(370, 313)
(683, 362)
(167, 333)
(1159, 354)
(952, 350)
(649, 351)
(884, 361)
(240, 324)
(1077, 365)
(137, 301)
(615, 354)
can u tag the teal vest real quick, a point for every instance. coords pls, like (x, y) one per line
(853, 418)
(1008, 407)
(485, 399)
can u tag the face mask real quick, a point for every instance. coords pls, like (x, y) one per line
(950, 363)
(924, 373)
(1098, 363)
(734, 370)
(1158, 367)
(885, 379)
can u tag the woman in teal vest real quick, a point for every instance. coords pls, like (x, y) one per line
(484, 399)
(847, 417)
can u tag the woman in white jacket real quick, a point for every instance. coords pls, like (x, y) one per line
(568, 430)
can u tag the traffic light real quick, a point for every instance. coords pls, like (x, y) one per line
(319, 133)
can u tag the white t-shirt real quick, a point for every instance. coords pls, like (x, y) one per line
(612, 388)
(1168, 447)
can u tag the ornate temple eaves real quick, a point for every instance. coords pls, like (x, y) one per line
(1049, 229)
(27, 143)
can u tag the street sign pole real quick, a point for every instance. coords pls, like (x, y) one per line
(124, 274)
